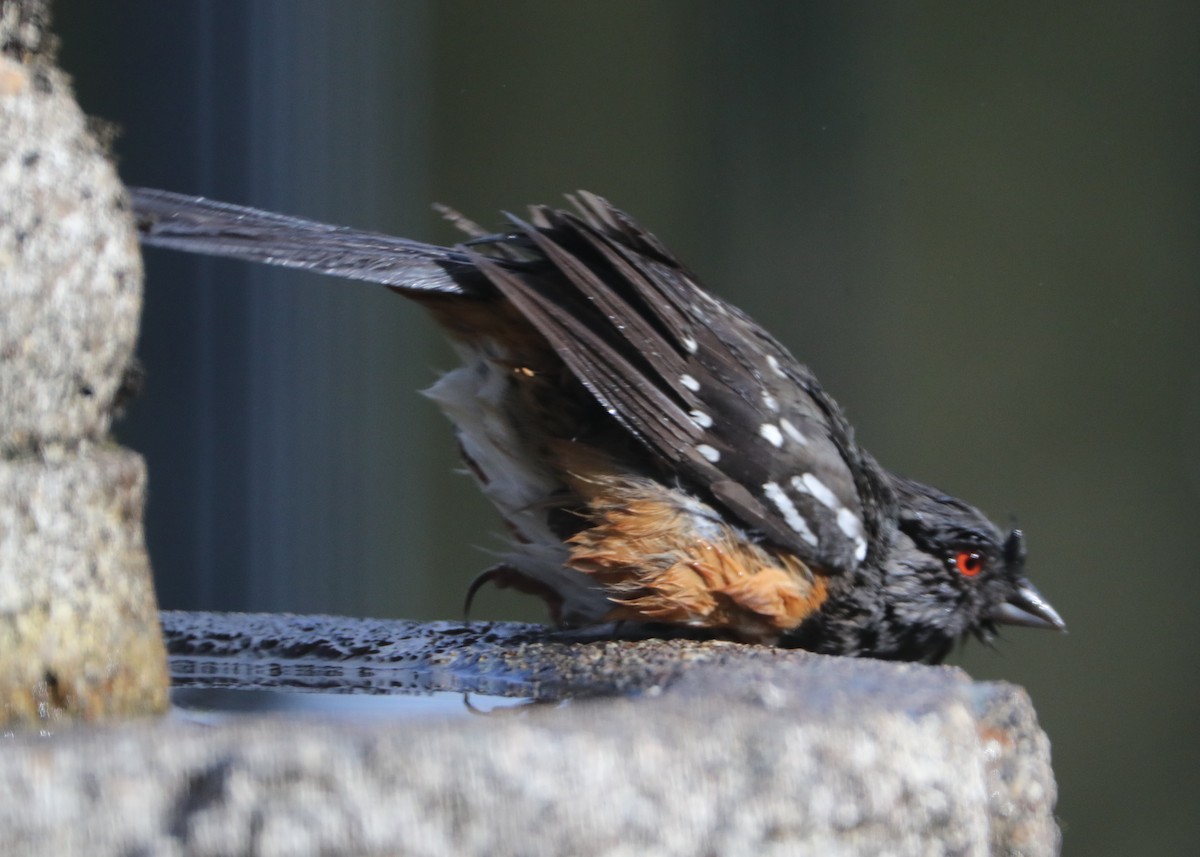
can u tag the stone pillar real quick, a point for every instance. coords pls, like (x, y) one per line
(79, 633)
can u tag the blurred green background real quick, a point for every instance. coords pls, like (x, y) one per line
(978, 224)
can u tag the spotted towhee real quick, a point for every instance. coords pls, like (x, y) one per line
(658, 456)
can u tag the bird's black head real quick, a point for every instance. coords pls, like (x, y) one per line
(946, 572)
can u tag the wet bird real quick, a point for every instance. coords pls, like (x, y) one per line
(657, 455)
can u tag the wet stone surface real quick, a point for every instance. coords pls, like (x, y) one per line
(338, 654)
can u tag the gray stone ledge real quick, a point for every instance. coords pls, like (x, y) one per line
(726, 749)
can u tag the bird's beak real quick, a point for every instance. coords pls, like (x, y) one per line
(1027, 607)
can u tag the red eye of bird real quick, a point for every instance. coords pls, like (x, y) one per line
(969, 563)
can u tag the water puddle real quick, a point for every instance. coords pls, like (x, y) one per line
(216, 705)
(225, 666)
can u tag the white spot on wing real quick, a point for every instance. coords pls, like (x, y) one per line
(790, 514)
(710, 453)
(775, 367)
(849, 523)
(689, 382)
(701, 419)
(860, 549)
(770, 401)
(689, 343)
(771, 432)
(810, 484)
(792, 432)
